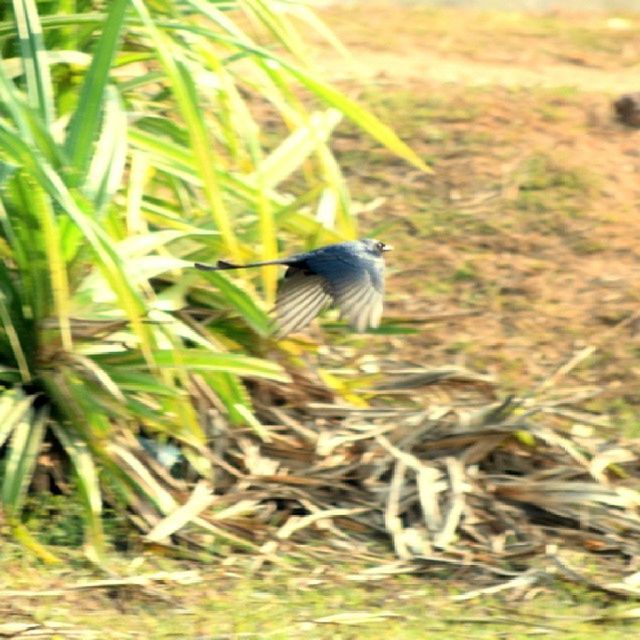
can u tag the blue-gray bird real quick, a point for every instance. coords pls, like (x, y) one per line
(346, 275)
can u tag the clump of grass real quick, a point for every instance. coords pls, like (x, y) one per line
(466, 272)
(58, 519)
(543, 173)
(548, 185)
(103, 213)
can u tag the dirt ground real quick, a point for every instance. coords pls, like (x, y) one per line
(528, 228)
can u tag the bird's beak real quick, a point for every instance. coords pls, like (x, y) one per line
(387, 247)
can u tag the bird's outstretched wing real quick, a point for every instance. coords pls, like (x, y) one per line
(301, 297)
(359, 301)
(356, 284)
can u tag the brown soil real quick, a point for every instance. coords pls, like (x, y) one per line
(530, 220)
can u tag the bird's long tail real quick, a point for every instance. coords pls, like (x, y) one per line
(222, 265)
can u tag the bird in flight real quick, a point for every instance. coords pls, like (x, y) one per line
(346, 275)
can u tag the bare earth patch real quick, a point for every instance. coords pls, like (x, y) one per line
(531, 218)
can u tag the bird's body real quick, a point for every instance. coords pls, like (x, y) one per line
(348, 275)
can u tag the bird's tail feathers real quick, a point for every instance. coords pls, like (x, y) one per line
(221, 265)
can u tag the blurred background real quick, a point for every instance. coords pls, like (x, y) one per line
(529, 220)
(160, 449)
(503, 5)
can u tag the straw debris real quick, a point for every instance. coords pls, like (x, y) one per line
(474, 486)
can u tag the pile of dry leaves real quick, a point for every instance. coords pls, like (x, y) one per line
(456, 481)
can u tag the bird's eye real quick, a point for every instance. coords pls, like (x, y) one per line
(380, 246)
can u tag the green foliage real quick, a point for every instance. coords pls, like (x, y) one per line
(131, 144)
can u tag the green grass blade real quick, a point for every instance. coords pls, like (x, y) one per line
(304, 225)
(140, 245)
(287, 158)
(89, 488)
(268, 242)
(241, 301)
(13, 407)
(108, 260)
(10, 99)
(242, 135)
(85, 122)
(186, 96)
(139, 174)
(8, 27)
(277, 23)
(233, 394)
(14, 340)
(42, 208)
(21, 460)
(173, 328)
(360, 116)
(24, 120)
(26, 539)
(201, 360)
(34, 59)
(112, 267)
(108, 162)
(140, 382)
(177, 160)
(310, 18)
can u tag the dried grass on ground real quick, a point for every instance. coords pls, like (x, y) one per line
(502, 492)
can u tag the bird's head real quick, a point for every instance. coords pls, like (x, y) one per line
(375, 247)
